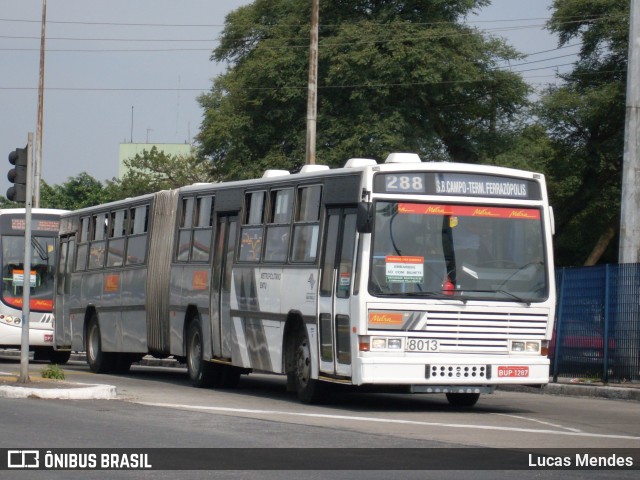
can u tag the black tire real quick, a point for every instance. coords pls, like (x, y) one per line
(465, 400)
(59, 357)
(230, 377)
(98, 361)
(41, 355)
(122, 363)
(307, 389)
(202, 373)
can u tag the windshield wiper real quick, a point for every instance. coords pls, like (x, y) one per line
(42, 253)
(504, 292)
(420, 294)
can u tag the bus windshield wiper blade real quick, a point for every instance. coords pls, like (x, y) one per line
(504, 292)
(42, 253)
(515, 297)
(420, 294)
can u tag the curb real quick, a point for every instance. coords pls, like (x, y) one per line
(76, 391)
(96, 391)
(589, 391)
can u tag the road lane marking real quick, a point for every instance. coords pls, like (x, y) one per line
(538, 421)
(385, 420)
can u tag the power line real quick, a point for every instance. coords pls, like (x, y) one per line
(303, 87)
(559, 21)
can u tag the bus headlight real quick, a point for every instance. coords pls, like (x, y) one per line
(525, 346)
(379, 344)
(394, 344)
(9, 320)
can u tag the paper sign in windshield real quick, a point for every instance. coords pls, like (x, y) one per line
(18, 278)
(403, 269)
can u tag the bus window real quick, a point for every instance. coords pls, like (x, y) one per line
(115, 253)
(137, 242)
(84, 230)
(83, 246)
(40, 278)
(346, 258)
(251, 234)
(307, 225)
(277, 242)
(309, 204)
(201, 244)
(97, 245)
(184, 232)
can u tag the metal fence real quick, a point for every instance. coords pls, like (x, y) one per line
(597, 332)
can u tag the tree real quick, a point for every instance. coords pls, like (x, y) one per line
(77, 192)
(393, 76)
(148, 172)
(585, 121)
(155, 170)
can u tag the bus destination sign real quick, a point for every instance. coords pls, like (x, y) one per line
(457, 184)
(36, 224)
(480, 185)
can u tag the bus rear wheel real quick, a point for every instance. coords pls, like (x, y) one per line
(98, 360)
(202, 373)
(463, 399)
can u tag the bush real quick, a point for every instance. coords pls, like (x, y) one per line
(52, 371)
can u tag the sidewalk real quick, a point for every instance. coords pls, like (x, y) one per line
(578, 388)
(45, 388)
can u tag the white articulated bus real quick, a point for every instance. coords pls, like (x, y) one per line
(44, 240)
(431, 277)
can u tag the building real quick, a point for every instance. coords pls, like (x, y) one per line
(130, 150)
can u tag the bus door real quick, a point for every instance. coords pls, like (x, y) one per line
(221, 327)
(62, 332)
(336, 281)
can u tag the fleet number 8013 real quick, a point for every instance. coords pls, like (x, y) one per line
(422, 345)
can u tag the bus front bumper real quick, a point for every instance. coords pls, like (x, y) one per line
(490, 370)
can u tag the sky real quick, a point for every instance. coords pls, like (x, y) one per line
(131, 70)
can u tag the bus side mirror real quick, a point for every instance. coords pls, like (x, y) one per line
(364, 221)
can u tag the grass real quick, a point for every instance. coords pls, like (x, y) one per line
(52, 371)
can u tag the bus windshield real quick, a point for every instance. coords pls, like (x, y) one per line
(42, 272)
(458, 251)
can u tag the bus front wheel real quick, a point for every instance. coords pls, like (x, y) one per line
(307, 389)
(463, 399)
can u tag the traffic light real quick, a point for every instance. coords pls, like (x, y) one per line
(18, 175)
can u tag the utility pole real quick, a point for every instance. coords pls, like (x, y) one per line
(26, 269)
(312, 96)
(629, 251)
(38, 163)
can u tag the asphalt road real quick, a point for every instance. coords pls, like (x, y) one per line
(157, 408)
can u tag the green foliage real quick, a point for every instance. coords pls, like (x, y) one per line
(77, 192)
(52, 371)
(585, 121)
(154, 170)
(147, 173)
(5, 203)
(393, 76)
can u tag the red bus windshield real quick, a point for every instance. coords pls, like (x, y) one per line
(40, 278)
(466, 251)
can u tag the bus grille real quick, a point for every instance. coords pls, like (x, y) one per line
(475, 332)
